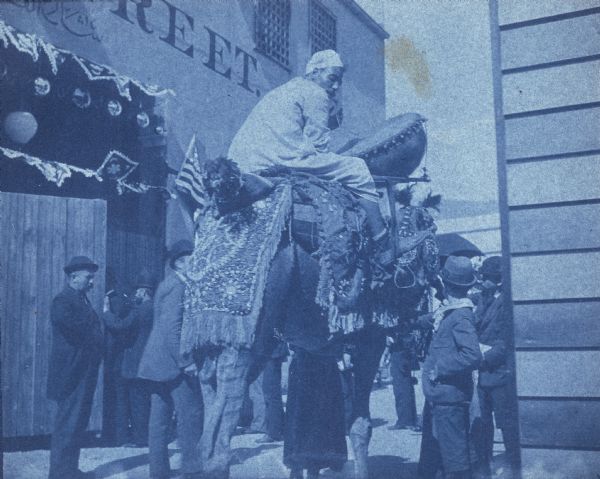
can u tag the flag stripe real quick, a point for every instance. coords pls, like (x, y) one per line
(189, 177)
(200, 200)
(186, 180)
(192, 188)
(198, 195)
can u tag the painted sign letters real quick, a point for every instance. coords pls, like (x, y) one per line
(222, 57)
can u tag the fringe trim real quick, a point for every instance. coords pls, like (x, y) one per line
(220, 328)
(344, 323)
(386, 319)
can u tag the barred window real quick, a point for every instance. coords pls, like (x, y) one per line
(272, 29)
(322, 28)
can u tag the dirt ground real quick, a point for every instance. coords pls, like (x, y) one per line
(393, 454)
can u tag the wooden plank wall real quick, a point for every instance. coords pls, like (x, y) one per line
(38, 234)
(547, 82)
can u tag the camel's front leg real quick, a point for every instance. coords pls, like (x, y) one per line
(223, 411)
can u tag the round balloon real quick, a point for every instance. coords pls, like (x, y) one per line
(20, 126)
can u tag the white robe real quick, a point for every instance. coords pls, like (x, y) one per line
(288, 127)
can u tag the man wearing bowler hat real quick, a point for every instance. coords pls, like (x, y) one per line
(495, 387)
(173, 380)
(447, 377)
(75, 356)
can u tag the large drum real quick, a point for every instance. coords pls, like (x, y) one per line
(396, 148)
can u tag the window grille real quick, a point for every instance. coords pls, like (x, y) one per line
(322, 28)
(272, 29)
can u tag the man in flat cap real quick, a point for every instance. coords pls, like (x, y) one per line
(75, 356)
(289, 129)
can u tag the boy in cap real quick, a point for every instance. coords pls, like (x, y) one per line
(452, 357)
(289, 129)
(173, 376)
(77, 342)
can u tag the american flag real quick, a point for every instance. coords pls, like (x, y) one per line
(189, 178)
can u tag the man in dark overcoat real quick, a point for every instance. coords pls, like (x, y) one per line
(271, 385)
(174, 383)
(77, 342)
(135, 329)
(452, 357)
(402, 363)
(114, 404)
(495, 388)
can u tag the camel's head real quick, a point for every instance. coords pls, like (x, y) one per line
(221, 179)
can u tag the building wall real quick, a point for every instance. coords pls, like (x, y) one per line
(547, 72)
(481, 230)
(208, 59)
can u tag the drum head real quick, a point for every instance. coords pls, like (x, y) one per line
(394, 149)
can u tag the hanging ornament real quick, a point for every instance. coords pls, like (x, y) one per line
(20, 126)
(160, 130)
(81, 98)
(61, 58)
(114, 108)
(116, 166)
(41, 86)
(143, 120)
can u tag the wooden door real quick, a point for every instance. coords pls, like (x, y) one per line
(38, 235)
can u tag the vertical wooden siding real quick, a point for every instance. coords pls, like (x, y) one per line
(38, 234)
(547, 80)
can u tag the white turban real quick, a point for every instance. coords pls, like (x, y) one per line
(324, 59)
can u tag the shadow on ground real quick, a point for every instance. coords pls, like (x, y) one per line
(377, 422)
(242, 454)
(391, 467)
(119, 466)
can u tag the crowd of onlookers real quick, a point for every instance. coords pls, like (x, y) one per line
(462, 348)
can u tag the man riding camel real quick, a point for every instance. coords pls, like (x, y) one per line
(288, 130)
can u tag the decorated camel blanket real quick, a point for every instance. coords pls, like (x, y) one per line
(228, 272)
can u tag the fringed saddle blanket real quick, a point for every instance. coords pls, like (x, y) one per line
(342, 241)
(228, 272)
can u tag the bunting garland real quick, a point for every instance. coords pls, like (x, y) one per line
(53, 171)
(141, 188)
(57, 172)
(33, 45)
